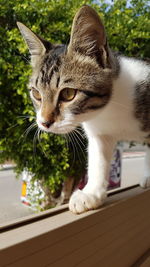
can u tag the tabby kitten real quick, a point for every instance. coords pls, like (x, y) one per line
(86, 83)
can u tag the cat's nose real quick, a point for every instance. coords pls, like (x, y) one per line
(47, 124)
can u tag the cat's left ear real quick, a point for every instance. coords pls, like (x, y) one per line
(37, 46)
(88, 36)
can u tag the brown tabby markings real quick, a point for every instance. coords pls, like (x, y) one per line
(142, 105)
(82, 73)
(87, 65)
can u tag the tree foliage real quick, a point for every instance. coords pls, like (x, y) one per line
(127, 25)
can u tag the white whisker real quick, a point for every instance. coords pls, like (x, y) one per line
(80, 137)
(32, 126)
(72, 143)
(120, 105)
(79, 143)
(26, 132)
(34, 141)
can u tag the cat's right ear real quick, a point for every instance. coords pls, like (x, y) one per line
(37, 46)
(88, 36)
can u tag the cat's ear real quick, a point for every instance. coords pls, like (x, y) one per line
(88, 35)
(37, 46)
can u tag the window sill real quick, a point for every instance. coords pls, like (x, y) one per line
(117, 233)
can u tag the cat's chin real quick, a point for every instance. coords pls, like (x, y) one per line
(58, 130)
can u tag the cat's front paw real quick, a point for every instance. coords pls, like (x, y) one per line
(145, 182)
(81, 201)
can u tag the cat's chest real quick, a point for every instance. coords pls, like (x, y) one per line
(115, 121)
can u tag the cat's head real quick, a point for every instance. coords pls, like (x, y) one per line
(70, 83)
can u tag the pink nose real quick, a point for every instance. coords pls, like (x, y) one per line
(47, 124)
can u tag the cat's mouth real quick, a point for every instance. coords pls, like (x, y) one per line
(62, 129)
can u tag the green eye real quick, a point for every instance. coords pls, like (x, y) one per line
(68, 94)
(36, 94)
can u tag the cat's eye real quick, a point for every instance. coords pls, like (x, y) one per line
(67, 94)
(36, 94)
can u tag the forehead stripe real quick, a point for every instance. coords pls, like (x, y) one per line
(48, 70)
(46, 77)
(36, 82)
(68, 80)
(58, 80)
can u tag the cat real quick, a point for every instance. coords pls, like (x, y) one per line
(87, 84)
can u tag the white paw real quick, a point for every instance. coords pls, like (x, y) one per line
(81, 201)
(145, 182)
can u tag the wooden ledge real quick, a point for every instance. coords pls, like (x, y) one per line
(117, 235)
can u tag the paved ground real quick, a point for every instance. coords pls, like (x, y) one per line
(10, 192)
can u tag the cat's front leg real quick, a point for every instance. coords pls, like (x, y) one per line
(94, 193)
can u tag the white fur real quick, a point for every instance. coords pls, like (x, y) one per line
(115, 122)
